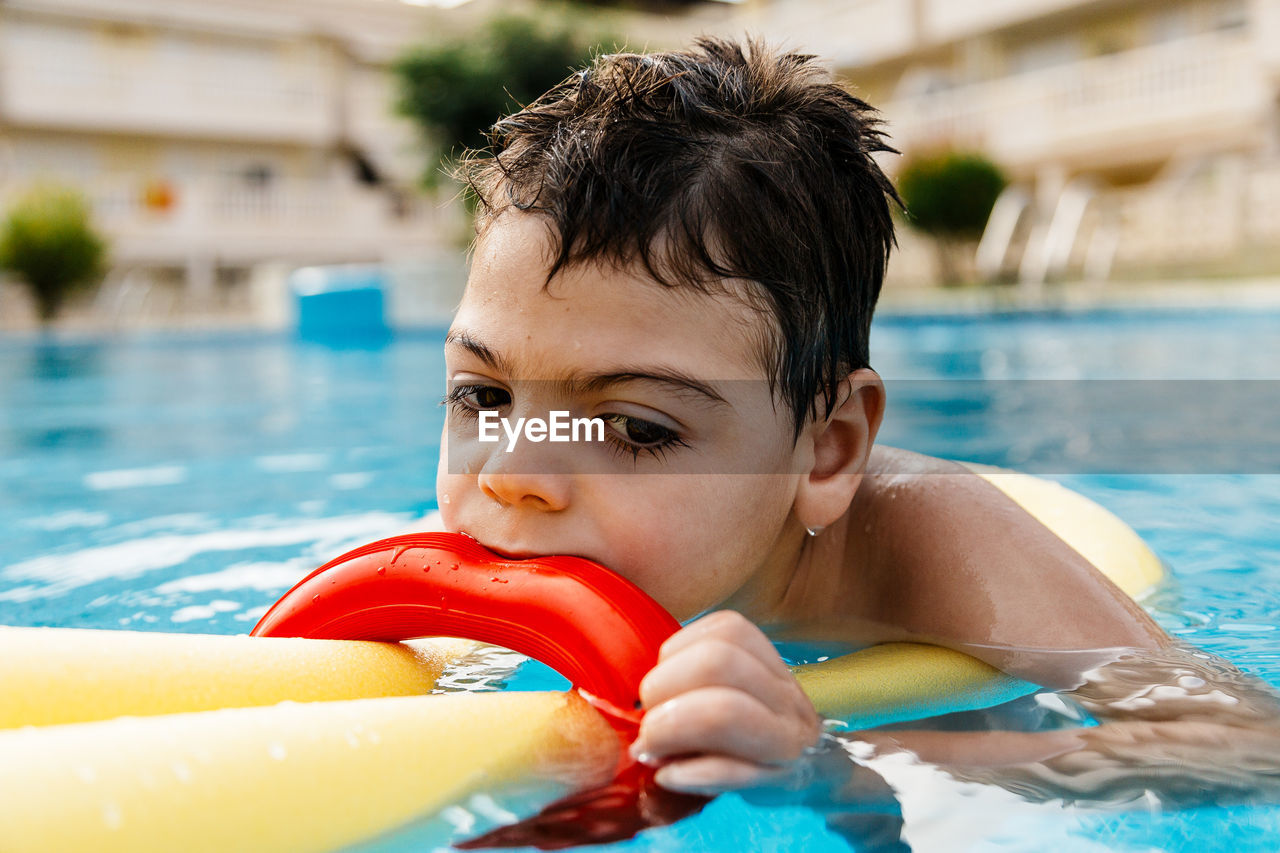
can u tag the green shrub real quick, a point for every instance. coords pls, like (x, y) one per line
(950, 194)
(454, 91)
(48, 241)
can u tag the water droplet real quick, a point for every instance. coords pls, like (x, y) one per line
(454, 567)
(315, 598)
(426, 569)
(498, 580)
(277, 751)
(112, 816)
(382, 570)
(398, 554)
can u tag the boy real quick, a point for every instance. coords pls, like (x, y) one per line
(688, 247)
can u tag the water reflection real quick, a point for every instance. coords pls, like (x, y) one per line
(47, 395)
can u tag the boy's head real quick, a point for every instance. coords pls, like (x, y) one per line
(687, 247)
(712, 164)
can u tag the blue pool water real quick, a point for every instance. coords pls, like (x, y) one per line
(170, 484)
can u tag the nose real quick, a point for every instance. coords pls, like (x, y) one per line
(546, 492)
(525, 480)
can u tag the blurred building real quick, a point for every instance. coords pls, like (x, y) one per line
(225, 142)
(220, 140)
(1143, 136)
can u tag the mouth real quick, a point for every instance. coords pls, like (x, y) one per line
(517, 554)
(508, 553)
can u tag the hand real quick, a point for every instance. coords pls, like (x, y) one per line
(723, 710)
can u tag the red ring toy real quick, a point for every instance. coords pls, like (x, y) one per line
(599, 630)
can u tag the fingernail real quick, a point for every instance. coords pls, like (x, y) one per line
(639, 755)
(646, 758)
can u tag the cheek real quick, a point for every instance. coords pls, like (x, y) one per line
(693, 546)
(449, 487)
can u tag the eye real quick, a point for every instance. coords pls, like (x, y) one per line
(637, 431)
(635, 435)
(476, 398)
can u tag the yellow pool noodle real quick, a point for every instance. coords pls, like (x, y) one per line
(61, 675)
(291, 777)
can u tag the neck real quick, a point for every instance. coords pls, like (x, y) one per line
(775, 592)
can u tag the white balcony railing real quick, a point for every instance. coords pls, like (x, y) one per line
(66, 75)
(945, 20)
(307, 221)
(1145, 96)
(845, 32)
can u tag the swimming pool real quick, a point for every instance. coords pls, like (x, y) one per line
(168, 484)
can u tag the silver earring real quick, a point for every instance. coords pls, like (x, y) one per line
(813, 531)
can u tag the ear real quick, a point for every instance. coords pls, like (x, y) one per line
(841, 445)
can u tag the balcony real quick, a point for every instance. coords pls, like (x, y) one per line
(73, 76)
(947, 20)
(846, 32)
(316, 221)
(1147, 103)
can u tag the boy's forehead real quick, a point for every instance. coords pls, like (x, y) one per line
(605, 308)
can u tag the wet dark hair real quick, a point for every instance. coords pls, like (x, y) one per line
(714, 163)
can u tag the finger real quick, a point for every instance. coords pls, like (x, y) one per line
(716, 662)
(714, 774)
(730, 626)
(722, 720)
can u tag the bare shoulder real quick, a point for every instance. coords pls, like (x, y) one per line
(951, 557)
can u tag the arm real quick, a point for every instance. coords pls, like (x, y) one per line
(1179, 725)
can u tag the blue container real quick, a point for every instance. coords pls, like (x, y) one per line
(337, 304)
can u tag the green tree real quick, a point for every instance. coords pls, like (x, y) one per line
(454, 91)
(48, 241)
(949, 196)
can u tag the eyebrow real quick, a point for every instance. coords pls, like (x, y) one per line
(673, 379)
(481, 351)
